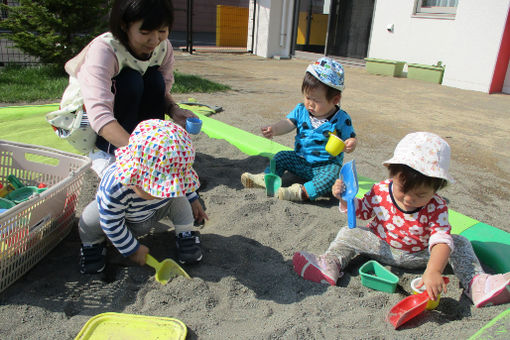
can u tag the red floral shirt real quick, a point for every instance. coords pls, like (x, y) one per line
(409, 231)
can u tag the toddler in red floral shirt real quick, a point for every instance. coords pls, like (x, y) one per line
(408, 227)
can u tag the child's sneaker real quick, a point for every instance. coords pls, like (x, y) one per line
(488, 290)
(253, 180)
(188, 247)
(93, 258)
(292, 193)
(322, 269)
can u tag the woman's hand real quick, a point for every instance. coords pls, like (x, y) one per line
(180, 115)
(139, 255)
(198, 211)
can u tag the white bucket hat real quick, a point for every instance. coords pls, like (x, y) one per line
(424, 152)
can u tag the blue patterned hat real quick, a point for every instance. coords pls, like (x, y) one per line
(329, 72)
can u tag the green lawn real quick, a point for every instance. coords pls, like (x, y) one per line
(37, 83)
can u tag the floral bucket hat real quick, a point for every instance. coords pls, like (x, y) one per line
(329, 72)
(158, 159)
(424, 152)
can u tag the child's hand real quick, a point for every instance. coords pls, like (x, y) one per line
(267, 131)
(139, 255)
(434, 282)
(350, 144)
(338, 188)
(198, 211)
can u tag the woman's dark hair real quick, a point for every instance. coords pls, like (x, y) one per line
(411, 178)
(154, 13)
(311, 83)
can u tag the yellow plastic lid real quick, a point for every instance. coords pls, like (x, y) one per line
(130, 326)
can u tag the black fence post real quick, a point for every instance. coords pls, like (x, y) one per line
(253, 25)
(189, 26)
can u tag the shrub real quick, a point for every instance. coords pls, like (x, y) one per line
(54, 30)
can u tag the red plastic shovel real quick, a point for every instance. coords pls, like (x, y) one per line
(409, 307)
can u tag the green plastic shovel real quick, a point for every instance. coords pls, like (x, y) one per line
(165, 270)
(272, 180)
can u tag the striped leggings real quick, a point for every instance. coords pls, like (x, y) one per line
(320, 177)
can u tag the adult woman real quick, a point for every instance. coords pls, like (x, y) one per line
(125, 77)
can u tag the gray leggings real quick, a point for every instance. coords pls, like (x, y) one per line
(178, 210)
(361, 241)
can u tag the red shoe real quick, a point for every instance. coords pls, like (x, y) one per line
(321, 269)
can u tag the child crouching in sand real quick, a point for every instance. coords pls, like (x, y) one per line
(314, 120)
(409, 227)
(148, 182)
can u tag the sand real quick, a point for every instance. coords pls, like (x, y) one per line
(245, 287)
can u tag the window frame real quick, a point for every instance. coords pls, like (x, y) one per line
(434, 11)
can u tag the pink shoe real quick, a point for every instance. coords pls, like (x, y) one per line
(488, 290)
(322, 269)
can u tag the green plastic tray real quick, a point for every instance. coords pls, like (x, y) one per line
(6, 204)
(375, 276)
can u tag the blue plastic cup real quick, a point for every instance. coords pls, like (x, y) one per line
(193, 125)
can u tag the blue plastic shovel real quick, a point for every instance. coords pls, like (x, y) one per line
(350, 178)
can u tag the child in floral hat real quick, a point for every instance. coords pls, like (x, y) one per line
(409, 227)
(314, 120)
(149, 181)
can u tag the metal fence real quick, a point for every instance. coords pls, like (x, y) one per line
(216, 26)
(200, 25)
(8, 52)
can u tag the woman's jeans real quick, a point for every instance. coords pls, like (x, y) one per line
(137, 97)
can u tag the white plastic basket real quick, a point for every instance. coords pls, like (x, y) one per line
(29, 230)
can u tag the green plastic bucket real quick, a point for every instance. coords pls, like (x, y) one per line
(375, 276)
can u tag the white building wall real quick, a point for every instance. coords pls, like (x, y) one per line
(468, 45)
(506, 84)
(273, 28)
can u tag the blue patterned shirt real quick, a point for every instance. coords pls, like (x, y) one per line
(310, 143)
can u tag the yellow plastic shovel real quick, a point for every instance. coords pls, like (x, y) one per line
(165, 270)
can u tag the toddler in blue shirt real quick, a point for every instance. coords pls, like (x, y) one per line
(314, 120)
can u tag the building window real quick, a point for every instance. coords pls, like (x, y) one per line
(436, 8)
